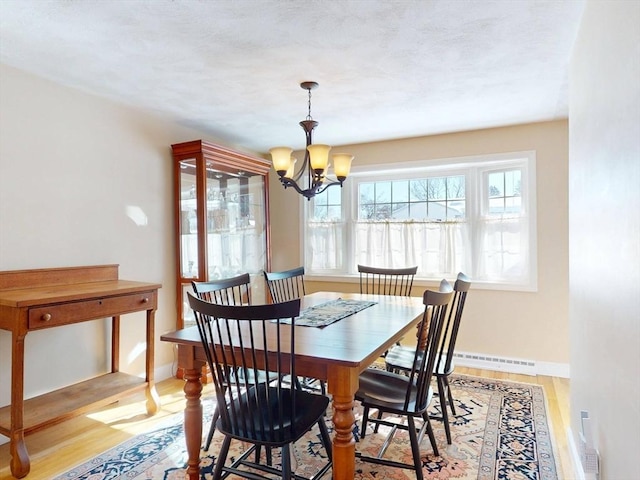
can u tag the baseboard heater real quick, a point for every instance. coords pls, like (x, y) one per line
(502, 364)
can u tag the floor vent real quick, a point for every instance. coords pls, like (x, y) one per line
(503, 364)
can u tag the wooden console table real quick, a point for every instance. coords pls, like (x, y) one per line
(46, 298)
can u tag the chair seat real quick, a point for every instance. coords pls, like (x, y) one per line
(251, 377)
(401, 357)
(388, 390)
(309, 408)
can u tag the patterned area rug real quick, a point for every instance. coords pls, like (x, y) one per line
(501, 431)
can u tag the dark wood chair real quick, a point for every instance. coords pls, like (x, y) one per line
(227, 291)
(407, 396)
(401, 358)
(262, 414)
(386, 281)
(286, 285)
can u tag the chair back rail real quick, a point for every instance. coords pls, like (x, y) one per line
(286, 285)
(386, 281)
(225, 291)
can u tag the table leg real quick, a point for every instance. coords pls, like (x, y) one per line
(342, 385)
(153, 399)
(20, 463)
(193, 420)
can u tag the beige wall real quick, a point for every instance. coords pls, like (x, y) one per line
(532, 326)
(70, 165)
(605, 233)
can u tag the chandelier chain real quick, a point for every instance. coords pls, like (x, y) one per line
(309, 117)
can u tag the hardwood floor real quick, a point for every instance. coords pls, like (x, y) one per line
(59, 448)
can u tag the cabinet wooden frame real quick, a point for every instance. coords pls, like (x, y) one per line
(223, 160)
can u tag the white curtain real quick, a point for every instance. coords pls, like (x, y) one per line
(503, 250)
(437, 248)
(325, 246)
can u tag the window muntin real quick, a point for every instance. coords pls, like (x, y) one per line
(476, 216)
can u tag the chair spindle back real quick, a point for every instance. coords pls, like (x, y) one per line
(386, 281)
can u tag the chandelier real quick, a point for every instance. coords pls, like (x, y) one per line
(311, 179)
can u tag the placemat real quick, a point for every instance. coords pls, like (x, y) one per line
(329, 312)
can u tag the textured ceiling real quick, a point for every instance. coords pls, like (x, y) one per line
(232, 68)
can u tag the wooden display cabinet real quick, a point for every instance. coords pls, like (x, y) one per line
(221, 219)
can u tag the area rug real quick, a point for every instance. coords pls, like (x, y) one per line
(501, 431)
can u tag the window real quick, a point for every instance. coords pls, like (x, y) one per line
(471, 215)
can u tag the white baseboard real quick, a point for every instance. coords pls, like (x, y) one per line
(163, 372)
(511, 365)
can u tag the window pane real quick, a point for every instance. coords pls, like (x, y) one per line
(455, 187)
(400, 191)
(367, 193)
(496, 184)
(418, 189)
(383, 192)
(512, 183)
(400, 211)
(366, 212)
(437, 211)
(456, 209)
(320, 212)
(437, 189)
(418, 210)
(334, 195)
(383, 211)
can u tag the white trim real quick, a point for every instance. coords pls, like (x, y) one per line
(163, 372)
(574, 453)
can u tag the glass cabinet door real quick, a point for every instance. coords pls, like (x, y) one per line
(222, 220)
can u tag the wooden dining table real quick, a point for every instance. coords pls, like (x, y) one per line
(336, 353)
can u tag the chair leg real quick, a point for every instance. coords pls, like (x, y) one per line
(415, 448)
(377, 427)
(443, 407)
(365, 418)
(326, 439)
(212, 429)
(449, 394)
(222, 457)
(286, 463)
(432, 438)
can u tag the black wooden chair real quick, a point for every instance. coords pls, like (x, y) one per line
(227, 291)
(253, 338)
(407, 396)
(386, 281)
(286, 285)
(401, 358)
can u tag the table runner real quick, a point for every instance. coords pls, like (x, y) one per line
(329, 312)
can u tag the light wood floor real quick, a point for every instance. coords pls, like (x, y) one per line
(54, 450)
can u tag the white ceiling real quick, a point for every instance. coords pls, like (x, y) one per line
(232, 68)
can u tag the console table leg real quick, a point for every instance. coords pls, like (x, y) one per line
(20, 464)
(153, 399)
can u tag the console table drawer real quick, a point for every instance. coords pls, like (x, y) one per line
(66, 313)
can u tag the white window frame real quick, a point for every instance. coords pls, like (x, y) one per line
(482, 164)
